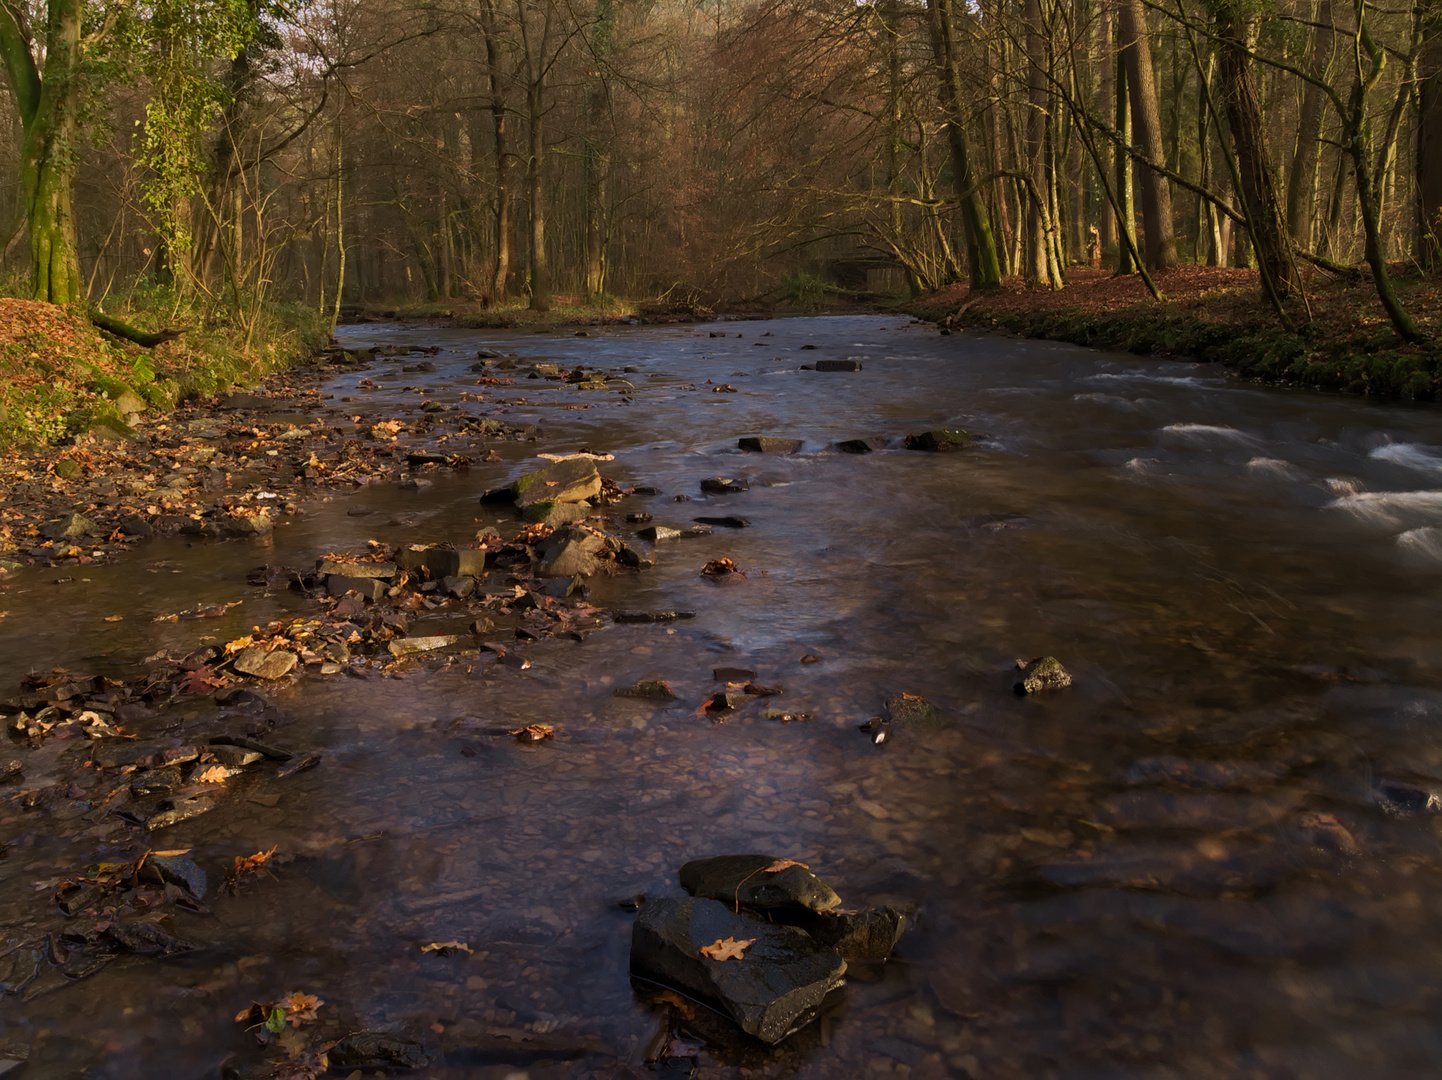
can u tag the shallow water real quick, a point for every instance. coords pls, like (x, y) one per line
(1181, 866)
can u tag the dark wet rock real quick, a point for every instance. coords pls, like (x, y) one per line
(724, 485)
(326, 567)
(85, 962)
(647, 690)
(765, 444)
(570, 552)
(419, 459)
(1204, 774)
(377, 1050)
(655, 533)
(74, 901)
(415, 483)
(861, 446)
(744, 879)
(247, 525)
(444, 562)
(638, 556)
(179, 810)
(175, 870)
(69, 469)
(147, 939)
(941, 440)
(69, 527)
(561, 588)
(235, 695)
(136, 525)
(423, 366)
(732, 674)
(265, 665)
(773, 989)
(481, 627)
(12, 1056)
(622, 616)
(904, 708)
(160, 781)
(459, 588)
(1400, 798)
(10, 771)
(728, 521)
(555, 514)
(274, 753)
(572, 480)
(838, 365)
(299, 765)
(369, 589)
(804, 347)
(411, 646)
(638, 519)
(235, 757)
(1044, 673)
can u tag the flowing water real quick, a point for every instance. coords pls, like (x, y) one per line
(1212, 856)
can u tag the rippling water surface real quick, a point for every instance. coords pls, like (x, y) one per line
(1188, 864)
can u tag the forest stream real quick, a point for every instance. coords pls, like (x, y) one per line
(1215, 854)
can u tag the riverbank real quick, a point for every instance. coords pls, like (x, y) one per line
(1219, 315)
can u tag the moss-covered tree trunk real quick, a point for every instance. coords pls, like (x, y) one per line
(45, 99)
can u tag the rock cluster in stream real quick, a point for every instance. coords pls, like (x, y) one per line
(761, 940)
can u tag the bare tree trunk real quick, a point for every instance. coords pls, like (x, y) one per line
(505, 224)
(540, 280)
(1108, 110)
(1037, 267)
(1429, 143)
(1126, 214)
(1160, 244)
(1244, 118)
(1302, 177)
(981, 247)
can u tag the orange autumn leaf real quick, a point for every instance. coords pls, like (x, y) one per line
(783, 864)
(684, 1007)
(299, 1007)
(216, 774)
(727, 949)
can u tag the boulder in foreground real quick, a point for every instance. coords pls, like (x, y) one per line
(751, 881)
(771, 989)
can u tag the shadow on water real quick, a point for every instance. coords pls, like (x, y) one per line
(1187, 864)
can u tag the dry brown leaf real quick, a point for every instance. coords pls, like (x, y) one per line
(684, 1007)
(783, 864)
(447, 948)
(216, 774)
(114, 618)
(727, 949)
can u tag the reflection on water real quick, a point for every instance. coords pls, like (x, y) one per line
(1195, 862)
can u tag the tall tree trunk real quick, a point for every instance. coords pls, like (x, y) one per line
(339, 229)
(1037, 267)
(540, 279)
(982, 260)
(1244, 119)
(505, 175)
(1429, 142)
(593, 158)
(1160, 246)
(1302, 176)
(47, 101)
(1126, 212)
(1108, 111)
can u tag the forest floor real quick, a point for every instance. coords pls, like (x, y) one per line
(1219, 314)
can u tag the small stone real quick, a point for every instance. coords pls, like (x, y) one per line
(657, 533)
(861, 446)
(383, 570)
(444, 562)
(622, 616)
(411, 646)
(235, 757)
(458, 587)
(729, 521)
(69, 469)
(941, 440)
(370, 589)
(180, 810)
(838, 365)
(265, 665)
(903, 708)
(146, 939)
(10, 771)
(377, 1050)
(569, 553)
(765, 444)
(1044, 673)
(135, 525)
(724, 485)
(176, 870)
(69, 527)
(414, 483)
(648, 690)
(299, 765)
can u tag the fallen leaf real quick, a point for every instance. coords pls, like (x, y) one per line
(534, 732)
(300, 1008)
(447, 948)
(216, 774)
(783, 864)
(114, 618)
(727, 949)
(684, 1007)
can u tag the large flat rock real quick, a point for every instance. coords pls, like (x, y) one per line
(744, 880)
(774, 988)
(569, 481)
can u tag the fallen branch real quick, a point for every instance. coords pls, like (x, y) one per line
(1351, 273)
(143, 338)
